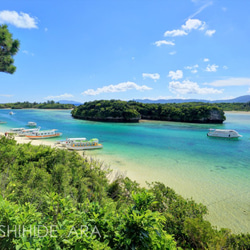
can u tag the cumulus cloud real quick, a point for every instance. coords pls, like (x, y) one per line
(58, 96)
(175, 33)
(206, 60)
(190, 24)
(248, 90)
(211, 68)
(22, 20)
(161, 42)
(121, 87)
(175, 75)
(154, 76)
(210, 32)
(230, 82)
(193, 24)
(188, 87)
(193, 68)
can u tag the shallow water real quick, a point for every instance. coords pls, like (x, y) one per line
(213, 171)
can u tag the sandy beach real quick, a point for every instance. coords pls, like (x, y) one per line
(22, 139)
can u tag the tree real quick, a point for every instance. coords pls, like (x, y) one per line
(8, 48)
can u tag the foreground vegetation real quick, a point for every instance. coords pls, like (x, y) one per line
(29, 105)
(55, 199)
(116, 110)
(8, 48)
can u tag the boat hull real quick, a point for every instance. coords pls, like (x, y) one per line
(43, 136)
(84, 147)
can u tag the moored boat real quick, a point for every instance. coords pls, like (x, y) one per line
(43, 134)
(16, 130)
(11, 113)
(63, 143)
(2, 122)
(224, 133)
(25, 132)
(84, 144)
(31, 124)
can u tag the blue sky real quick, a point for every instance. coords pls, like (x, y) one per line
(127, 49)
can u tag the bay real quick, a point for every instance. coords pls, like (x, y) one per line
(212, 171)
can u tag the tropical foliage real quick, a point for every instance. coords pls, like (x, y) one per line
(8, 48)
(54, 199)
(184, 112)
(44, 105)
(234, 106)
(104, 110)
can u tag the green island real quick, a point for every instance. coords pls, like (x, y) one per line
(122, 111)
(28, 105)
(55, 199)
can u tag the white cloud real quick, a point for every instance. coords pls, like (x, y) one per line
(46, 29)
(175, 75)
(188, 87)
(193, 24)
(200, 9)
(193, 68)
(21, 20)
(172, 53)
(190, 24)
(248, 90)
(225, 67)
(175, 33)
(28, 53)
(211, 68)
(206, 60)
(154, 76)
(121, 87)
(58, 96)
(230, 82)
(159, 43)
(210, 32)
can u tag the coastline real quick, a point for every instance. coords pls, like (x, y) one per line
(22, 140)
(213, 185)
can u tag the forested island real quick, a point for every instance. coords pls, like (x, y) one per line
(29, 105)
(234, 106)
(56, 199)
(122, 111)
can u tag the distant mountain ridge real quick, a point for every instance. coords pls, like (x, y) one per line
(240, 99)
(70, 102)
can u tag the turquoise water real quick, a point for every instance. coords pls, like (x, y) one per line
(212, 171)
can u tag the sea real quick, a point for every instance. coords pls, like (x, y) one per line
(211, 171)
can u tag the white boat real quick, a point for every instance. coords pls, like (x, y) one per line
(31, 124)
(2, 122)
(11, 113)
(84, 144)
(25, 132)
(16, 130)
(224, 133)
(63, 143)
(43, 134)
